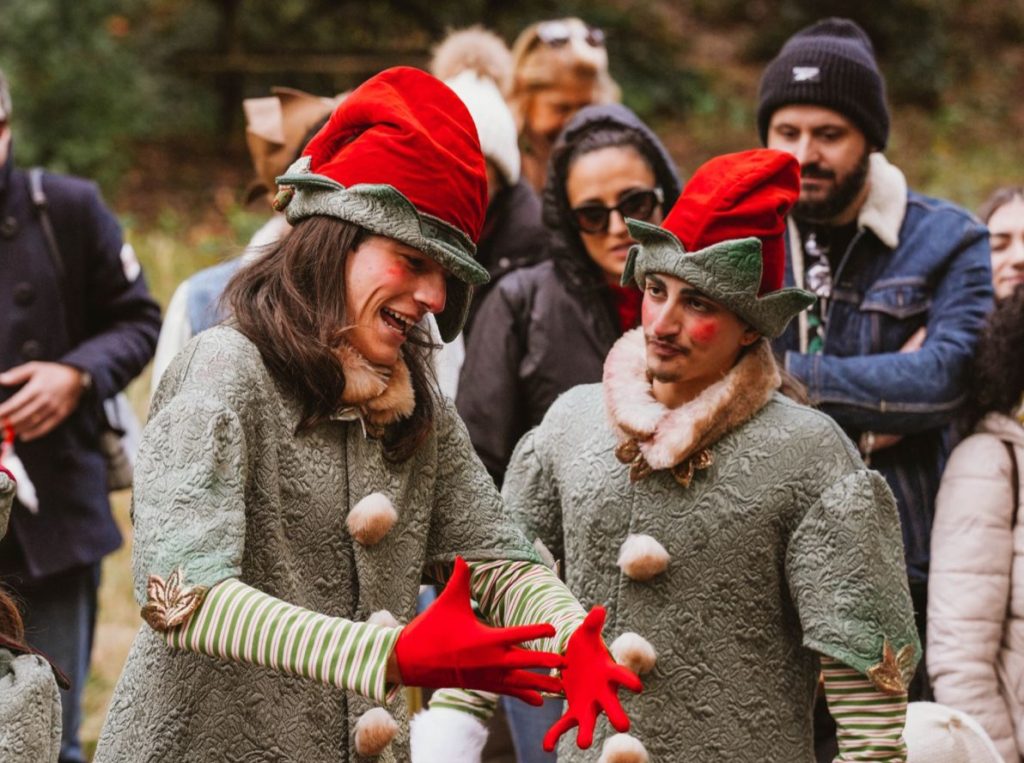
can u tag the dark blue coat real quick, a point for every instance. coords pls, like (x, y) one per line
(113, 324)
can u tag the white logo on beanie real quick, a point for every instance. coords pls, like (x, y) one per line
(806, 74)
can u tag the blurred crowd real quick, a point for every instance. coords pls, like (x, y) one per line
(911, 346)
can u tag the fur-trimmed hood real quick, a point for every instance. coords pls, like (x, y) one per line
(664, 437)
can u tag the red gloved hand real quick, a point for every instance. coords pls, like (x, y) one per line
(448, 647)
(591, 679)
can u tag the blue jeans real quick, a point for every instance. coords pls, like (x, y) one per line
(528, 726)
(60, 617)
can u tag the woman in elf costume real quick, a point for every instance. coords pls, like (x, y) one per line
(300, 476)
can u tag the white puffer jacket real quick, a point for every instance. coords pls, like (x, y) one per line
(976, 586)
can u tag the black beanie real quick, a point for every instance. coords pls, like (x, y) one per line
(832, 64)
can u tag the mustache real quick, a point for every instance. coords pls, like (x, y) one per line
(667, 343)
(816, 171)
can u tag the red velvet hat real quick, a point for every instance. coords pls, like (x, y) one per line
(724, 236)
(401, 158)
(736, 196)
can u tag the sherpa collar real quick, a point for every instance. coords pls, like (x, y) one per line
(378, 397)
(656, 437)
(886, 204)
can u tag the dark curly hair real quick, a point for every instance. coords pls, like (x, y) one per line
(997, 372)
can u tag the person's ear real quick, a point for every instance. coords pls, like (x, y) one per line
(750, 336)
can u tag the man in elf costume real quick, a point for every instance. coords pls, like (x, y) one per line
(740, 544)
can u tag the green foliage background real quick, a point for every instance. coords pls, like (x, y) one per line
(94, 79)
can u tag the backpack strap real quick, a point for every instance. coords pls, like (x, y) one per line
(35, 186)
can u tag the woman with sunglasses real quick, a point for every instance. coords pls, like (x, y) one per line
(546, 328)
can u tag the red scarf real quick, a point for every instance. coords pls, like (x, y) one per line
(627, 300)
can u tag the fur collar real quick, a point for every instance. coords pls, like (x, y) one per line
(655, 437)
(381, 396)
(886, 204)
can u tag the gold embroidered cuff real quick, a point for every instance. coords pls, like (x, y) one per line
(171, 603)
(893, 673)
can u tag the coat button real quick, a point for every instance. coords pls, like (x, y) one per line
(32, 350)
(24, 294)
(9, 227)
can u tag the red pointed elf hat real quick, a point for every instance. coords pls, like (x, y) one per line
(401, 158)
(724, 236)
(736, 196)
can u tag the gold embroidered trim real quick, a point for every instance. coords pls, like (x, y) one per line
(893, 673)
(628, 452)
(171, 603)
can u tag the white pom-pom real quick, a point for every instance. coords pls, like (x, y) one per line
(622, 748)
(374, 731)
(371, 519)
(441, 735)
(642, 557)
(635, 652)
(383, 617)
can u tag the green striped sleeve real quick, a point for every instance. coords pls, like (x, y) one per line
(523, 593)
(509, 594)
(239, 623)
(869, 723)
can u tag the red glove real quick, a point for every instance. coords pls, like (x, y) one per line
(591, 679)
(448, 647)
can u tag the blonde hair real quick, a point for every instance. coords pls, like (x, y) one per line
(537, 66)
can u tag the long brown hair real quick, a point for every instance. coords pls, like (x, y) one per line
(11, 624)
(291, 304)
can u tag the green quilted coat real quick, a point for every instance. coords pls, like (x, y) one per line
(785, 546)
(224, 489)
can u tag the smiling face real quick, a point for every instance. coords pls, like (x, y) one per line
(1006, 235)
(833, 154)
(691, 340)
(605, 176)
(389, 288)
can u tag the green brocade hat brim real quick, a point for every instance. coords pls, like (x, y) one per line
(728, 272)
(383, 210)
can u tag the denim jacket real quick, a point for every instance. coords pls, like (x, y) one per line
(914, 262)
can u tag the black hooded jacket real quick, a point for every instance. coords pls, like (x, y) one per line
(544, 329)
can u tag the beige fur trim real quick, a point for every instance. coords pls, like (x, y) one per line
(623, 748)
(374, 731)
(371, 519)
(397, 401)
(383, 396)
(641, 557)
(634, 652)
(667, 437)
(886, 204)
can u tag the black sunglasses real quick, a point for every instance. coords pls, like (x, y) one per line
(558, 33)
(639, 204)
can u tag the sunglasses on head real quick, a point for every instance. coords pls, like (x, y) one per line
(639, 204)
(557, 33)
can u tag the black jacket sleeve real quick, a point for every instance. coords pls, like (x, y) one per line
(489, 397)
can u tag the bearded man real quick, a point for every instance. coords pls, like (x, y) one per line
(903, 280)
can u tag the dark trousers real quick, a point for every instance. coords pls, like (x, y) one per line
(920, 690)
(60, 617)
